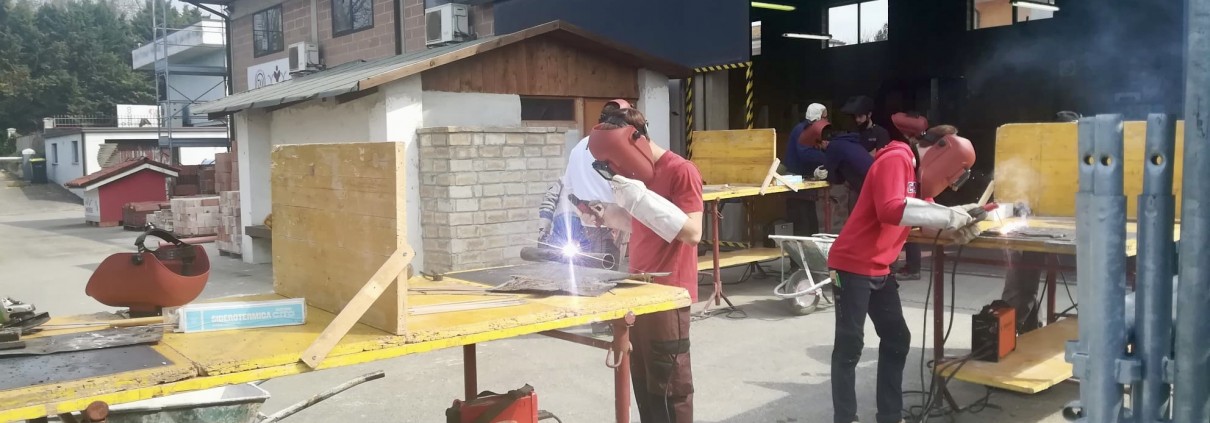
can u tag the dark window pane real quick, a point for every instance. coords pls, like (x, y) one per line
(266, 32)
(561, 109)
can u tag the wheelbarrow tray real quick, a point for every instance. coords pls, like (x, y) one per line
(234, 403)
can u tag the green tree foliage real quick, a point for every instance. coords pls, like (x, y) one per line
(73, 57)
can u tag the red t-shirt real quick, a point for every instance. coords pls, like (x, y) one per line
(679, 181)
(872, 238)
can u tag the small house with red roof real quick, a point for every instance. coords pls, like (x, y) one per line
(107, 190)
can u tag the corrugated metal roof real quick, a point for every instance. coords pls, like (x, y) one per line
(332, 82)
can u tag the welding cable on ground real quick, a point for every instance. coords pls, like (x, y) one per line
(1067, 287)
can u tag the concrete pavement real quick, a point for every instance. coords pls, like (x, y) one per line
(767, 367)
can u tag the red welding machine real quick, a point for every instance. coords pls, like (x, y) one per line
(516, 406)
(994, 332)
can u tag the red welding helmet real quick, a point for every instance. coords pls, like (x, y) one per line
(626, 151)
(910, 125)
(813, 135)
(945, 164)
(622, 104)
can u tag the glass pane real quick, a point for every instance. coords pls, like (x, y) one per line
(363, 14)
(341, 21)
(875, 26)
(549, 109)
(842, 24)
(1025, 14)
(992, 13)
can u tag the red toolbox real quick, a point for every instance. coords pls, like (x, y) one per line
(516, 406)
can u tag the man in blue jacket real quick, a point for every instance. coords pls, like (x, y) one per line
(803, 157)
(846, 161)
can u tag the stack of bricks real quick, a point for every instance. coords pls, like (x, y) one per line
(136, 215)
(480, 189)
(230, 232)
(162, 219)
(226, 174)
(187, 182)
(195, 216)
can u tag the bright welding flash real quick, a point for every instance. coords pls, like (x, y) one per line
(570, 250)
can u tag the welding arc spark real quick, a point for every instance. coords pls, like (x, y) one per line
(575, 251)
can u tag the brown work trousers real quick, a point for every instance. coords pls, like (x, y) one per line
(660, 369)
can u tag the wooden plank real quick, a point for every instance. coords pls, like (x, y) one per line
(726, 192)
(352, 312)
(539, 67)
(737, 157)
(1035, 366)
(1037, 163)
(739, 257)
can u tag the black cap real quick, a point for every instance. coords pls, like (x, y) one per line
(859, 105)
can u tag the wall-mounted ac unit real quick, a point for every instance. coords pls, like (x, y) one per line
(303, 56)
(447, 24)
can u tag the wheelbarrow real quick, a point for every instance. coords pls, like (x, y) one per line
(803, 288)
(225, 404)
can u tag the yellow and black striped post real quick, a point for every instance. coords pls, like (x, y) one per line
(716, 68)
(689, 117)
(748, 98)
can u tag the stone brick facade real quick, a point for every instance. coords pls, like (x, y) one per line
(480, 189)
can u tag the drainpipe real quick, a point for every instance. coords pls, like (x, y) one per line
(398, 15)
(315, 21)
(1193, 317)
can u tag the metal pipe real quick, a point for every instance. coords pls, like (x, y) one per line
(1153, 293)
(470, 372)
(621, 373)
(1192, 402)
(1107, 292)
(593, 260)
(715, 216)
(1077, 351)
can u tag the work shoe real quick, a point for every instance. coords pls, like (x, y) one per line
(904, 275)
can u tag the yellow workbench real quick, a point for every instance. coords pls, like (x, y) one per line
(1038, 362)
(204, 360)
(726, 192)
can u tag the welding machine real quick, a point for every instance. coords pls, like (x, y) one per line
(994, 332)
(515, 406)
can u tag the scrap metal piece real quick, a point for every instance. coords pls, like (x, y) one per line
(108, 338)
(584, 286)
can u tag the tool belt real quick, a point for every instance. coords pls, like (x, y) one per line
(147, 280)
(518, 405)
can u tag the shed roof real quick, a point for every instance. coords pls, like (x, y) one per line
(119, 171)
(363, 75)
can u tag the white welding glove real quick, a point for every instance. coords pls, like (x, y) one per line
(821, 173)
(650, 209)
(922, 213)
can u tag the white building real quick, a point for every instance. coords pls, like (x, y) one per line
(190, 67)
(75, 152)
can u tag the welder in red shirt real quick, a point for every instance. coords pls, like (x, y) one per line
(890, 204)
(662, 194)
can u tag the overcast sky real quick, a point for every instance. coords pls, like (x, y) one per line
(842, 21)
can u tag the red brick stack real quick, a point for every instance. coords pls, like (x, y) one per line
(231, 232)
(134, 215)
(196, 216)
(226, 172)
(187, 182)
(206, 179)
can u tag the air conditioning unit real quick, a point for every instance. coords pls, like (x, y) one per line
(304, 57)
(447, 24)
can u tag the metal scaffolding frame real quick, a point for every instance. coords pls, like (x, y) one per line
(164, 69)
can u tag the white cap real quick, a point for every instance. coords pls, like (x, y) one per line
(815, 111)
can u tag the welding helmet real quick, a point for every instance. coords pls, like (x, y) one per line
(617, 102)
(910, 125)
(947, 163)
(622, 151)
(813, 135)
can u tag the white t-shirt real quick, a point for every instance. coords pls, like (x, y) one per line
(581, 179)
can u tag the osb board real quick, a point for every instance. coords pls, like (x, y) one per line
(1038, 163)
(738, 257)
(725, 192)
(1036, 364)
(736, 157)
(338, 213)
(536, 67)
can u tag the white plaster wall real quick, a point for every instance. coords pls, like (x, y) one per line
(252, 133)
(196, 155)
(653, 101)
(396, 118)
(65, 170)
(93, 142)
(471, 109)
(324, 121)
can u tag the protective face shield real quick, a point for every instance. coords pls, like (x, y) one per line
(813, 135)
(946, 163)
(623, 151)
(910, 126)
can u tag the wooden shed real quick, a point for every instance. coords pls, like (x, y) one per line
(107, 190)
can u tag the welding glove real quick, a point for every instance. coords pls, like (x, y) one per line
(650, 209)
(821, 173)
(921, 213)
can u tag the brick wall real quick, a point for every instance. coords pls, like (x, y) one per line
(482, 21)
(372, 43)
(480, 190)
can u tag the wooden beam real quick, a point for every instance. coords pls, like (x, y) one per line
(390, 270)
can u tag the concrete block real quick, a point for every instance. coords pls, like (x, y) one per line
(515, 201)
(462, 165)
(443, 179)
(444, 205)
(552, 151)
(516, 189)
(497, 241)
(522, 215)
(535, 139)
(470, 152)
(556, 138)
(466, 205)
(493, 139)
(492, 190)
(462, 218)
(466, 231)
(495, 216)
(461, 138)
(537, 175)
(536, 187)
(551, 174)
(515, 164)
(510, 151)
(532, 151)
(494, 164)
(477, 138)
(514, 138)
(437, 140)
(536, 163)
(490, 151)
(434, 153)
(466, 178)
(492, 203)
(478, 190)
(556, 163)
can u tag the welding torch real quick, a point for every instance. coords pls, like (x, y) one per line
(980, 212)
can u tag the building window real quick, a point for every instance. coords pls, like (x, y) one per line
(54, 153)
(858, 23)
(756, 38)
(349, 16)
(75, 152)
(266, 32)
(548, 109)
(995, 13)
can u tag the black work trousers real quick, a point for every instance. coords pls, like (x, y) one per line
(857, 296)
(801, 212)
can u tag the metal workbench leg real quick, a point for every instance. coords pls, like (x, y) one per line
(621, 367)
(715, 216)
(938, 272)
(1052, 270)
(470, 371)
(827, 208)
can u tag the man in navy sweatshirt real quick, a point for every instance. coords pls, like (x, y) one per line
(802, 157)
(846, 162)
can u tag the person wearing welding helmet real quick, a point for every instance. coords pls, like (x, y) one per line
(861, 108)
(846, 161)
(914, 128)
(804, 156)
(661, 193)
(891, 203)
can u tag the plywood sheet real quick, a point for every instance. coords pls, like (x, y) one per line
(736, 157)
(1037, 163)
(1037, 363)
(338, 213)
(725, 192)
(1065, 245)
(738, 257)
(540, 67)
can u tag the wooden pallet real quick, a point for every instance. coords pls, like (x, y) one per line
(102, 224)
(230, 254)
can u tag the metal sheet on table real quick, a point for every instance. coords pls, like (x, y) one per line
(498, 276)
(19, 372)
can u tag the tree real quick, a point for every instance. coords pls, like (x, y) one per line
(884, 33)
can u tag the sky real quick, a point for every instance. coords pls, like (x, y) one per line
(842, 20)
